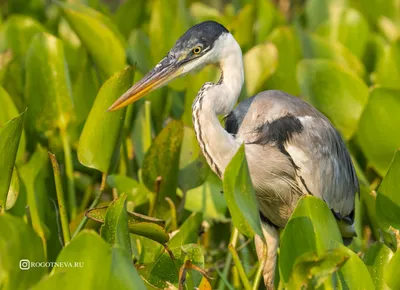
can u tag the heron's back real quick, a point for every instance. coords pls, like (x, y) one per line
(293, 149)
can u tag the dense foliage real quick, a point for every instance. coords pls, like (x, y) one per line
(155, 215)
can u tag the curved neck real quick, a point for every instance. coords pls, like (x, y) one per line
(219, 146)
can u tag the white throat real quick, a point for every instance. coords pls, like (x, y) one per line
(223, 96)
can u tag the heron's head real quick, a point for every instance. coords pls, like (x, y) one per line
(200, 45)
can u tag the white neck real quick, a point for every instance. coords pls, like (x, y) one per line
(219, 146)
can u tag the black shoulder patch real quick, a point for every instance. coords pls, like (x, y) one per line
(279, 130)
(231, 124)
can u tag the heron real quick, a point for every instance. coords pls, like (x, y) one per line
(291, 148)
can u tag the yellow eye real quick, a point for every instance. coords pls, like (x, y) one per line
(197, 50)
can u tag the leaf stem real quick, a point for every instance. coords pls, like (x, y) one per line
(239, 267)
(93, 205)
(233, 241)
(69, 170)
(60, 199)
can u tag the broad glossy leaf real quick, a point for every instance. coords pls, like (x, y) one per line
(9, 111)
(139, 224)
(10, 135)
(19, 31)
(240, 196)
(129, 15)
(208, 199)
(391, 274)
(14, 235)
(336, 92)
(387, 72)
(98, 267)
(193, 168)
(260, 63)
(378, 133)
(136, 192)
(320, 11)
(47, 90)
(375, 9)
(188, 231)
(376, 259)
(166, 270)
(354, 274)
(350, 28)
(312, 271)
(203, 12)
(242, 26)
(388, 198)
(100, 138)
(389, 29)
(162, 160)
(141, 134)
(138, 50)
(85, 89)
(315, 46)
(289, 53)
(115, 228)
(31, 173)
(311, 228)
(266, 14)
(99, 35)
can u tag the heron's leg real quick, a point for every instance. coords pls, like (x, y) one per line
(272, 238)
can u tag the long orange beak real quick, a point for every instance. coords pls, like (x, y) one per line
(160, 75)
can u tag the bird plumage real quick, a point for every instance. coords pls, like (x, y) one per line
(291, 148)
(304, 155)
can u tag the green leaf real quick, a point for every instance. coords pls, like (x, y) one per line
(207, 199)
(14, 235)
(97, 267)
(115, 228)
(350, 28)
(99, 35)
(315, 46)
(13, 191)
(242, 26)
(387, 72)
(240, 196)
(188, 231)
(166, 270)
(136, 192)
(378, 133)
(320, 11)
(19, 31)
(10, 135)
(388, 198)
(354, 274)
(9, 111)
(376, 259)
(336, 92)
(101, 135)
(36, 195)
(312, 270)
(375, 9)
(265, 19)
(193, 168)
(129, 15)
(85, 89)
(139, 224)
(260, 63)
(47, 88)
(141, 134)
(162, 160)
(391, 274)
(306, 232)
(289, 53)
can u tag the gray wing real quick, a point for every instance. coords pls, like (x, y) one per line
(307, 139)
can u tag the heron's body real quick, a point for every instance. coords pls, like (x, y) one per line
(291, 148)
